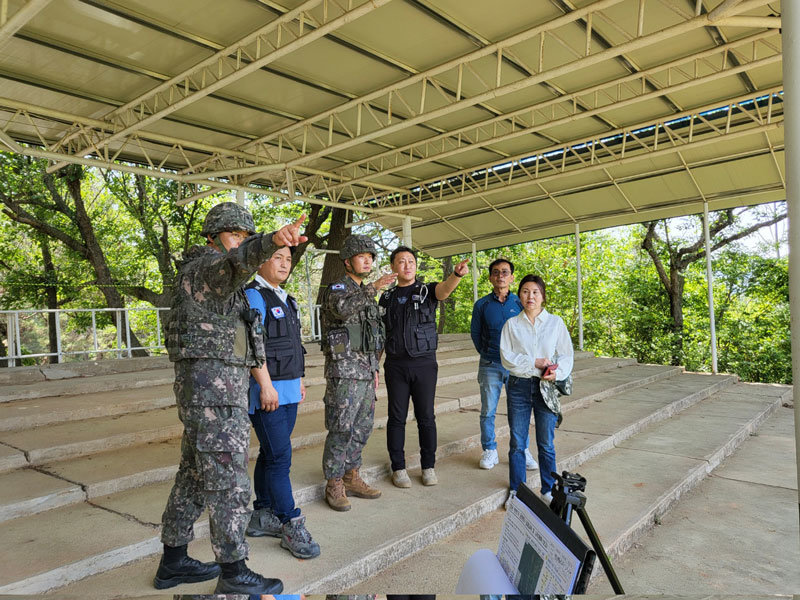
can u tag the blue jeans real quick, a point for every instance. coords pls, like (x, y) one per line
(523, 396)
(492, 376)
(271, 477)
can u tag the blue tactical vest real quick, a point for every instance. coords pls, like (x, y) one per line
(282, 342)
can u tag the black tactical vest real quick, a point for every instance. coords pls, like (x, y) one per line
(413, 322)
(284, 348)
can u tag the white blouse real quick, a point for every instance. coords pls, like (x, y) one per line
(522, 342)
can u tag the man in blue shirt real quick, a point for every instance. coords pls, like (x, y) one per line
(489, 315)
(276, 388)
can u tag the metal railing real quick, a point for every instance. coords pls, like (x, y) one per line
(118, 349)
(121, 346)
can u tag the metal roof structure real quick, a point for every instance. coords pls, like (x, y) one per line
(486, 123)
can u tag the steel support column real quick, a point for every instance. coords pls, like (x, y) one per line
(710, 286)
(791, 80)
(580, 284)
(474, 273)
(407, 232)
(309, 299)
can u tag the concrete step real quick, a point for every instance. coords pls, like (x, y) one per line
(37, 412)
(70, 438)
(630, 487)
(90, 368)
(81, 438)
(128, 467)
(388, 534)
(749, 502)
(88, 385)
(121, 397)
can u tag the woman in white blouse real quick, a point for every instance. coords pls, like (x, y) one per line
(528, 344)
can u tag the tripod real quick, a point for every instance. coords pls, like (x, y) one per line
(568, 496)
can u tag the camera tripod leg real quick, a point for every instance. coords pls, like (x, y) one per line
(600, 551)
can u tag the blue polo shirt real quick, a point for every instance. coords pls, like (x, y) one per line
(488, 317)
(288, 389)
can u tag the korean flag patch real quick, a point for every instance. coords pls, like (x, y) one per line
(277, 312)
(337, 286)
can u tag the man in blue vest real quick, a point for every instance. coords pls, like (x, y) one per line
(410, 368)
(489, 315)
(276, 388)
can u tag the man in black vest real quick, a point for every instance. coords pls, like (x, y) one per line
(276, 388)
(410, 369)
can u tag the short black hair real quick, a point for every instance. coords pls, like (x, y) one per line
(538, 281)
(497, 261)
(400, 249)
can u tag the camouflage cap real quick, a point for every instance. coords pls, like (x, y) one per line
(228, 216)
(356, 244)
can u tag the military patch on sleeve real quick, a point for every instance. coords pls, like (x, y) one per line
(277, 312)
(337, 286)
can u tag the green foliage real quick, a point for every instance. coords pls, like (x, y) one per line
(626, 312)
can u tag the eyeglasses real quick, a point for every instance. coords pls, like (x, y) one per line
(505, 272)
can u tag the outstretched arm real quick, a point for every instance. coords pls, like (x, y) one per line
(446, 287)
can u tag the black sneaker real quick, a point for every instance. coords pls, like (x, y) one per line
(185, 570)
(245, 581)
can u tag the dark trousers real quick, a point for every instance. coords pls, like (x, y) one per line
(419, 384)
(271, 476)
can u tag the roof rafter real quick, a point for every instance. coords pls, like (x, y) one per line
(369, 126)
(275, 40)
(9, 26)
(698, 69)
(605, 150)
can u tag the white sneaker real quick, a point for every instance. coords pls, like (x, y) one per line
(547, 498)
(511, 495)
(429, 477)
(401, 479)
(489, 459)
(530, 463)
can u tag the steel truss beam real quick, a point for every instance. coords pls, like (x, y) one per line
(420, 98)
(691, 129)
(698, 69)
(174, 150)
(10, 25)
(265, 45)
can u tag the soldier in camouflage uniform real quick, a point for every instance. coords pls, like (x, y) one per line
(213, 338)
(352, 338)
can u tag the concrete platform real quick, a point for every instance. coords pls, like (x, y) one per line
(129, 467)
(735, 533)
(458, 446)
(630, 487)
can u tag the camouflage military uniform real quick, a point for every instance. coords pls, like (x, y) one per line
(349, 312)
(213, 347)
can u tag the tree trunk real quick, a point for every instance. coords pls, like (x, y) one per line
(51, 294)
(333, 268)
(3, 340)
(676, 313)
(96, 256)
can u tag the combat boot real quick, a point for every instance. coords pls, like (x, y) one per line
(237, 578)
(335, 496)
(355, 486)
(297, 540)
(176, 568)
(264, 522)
